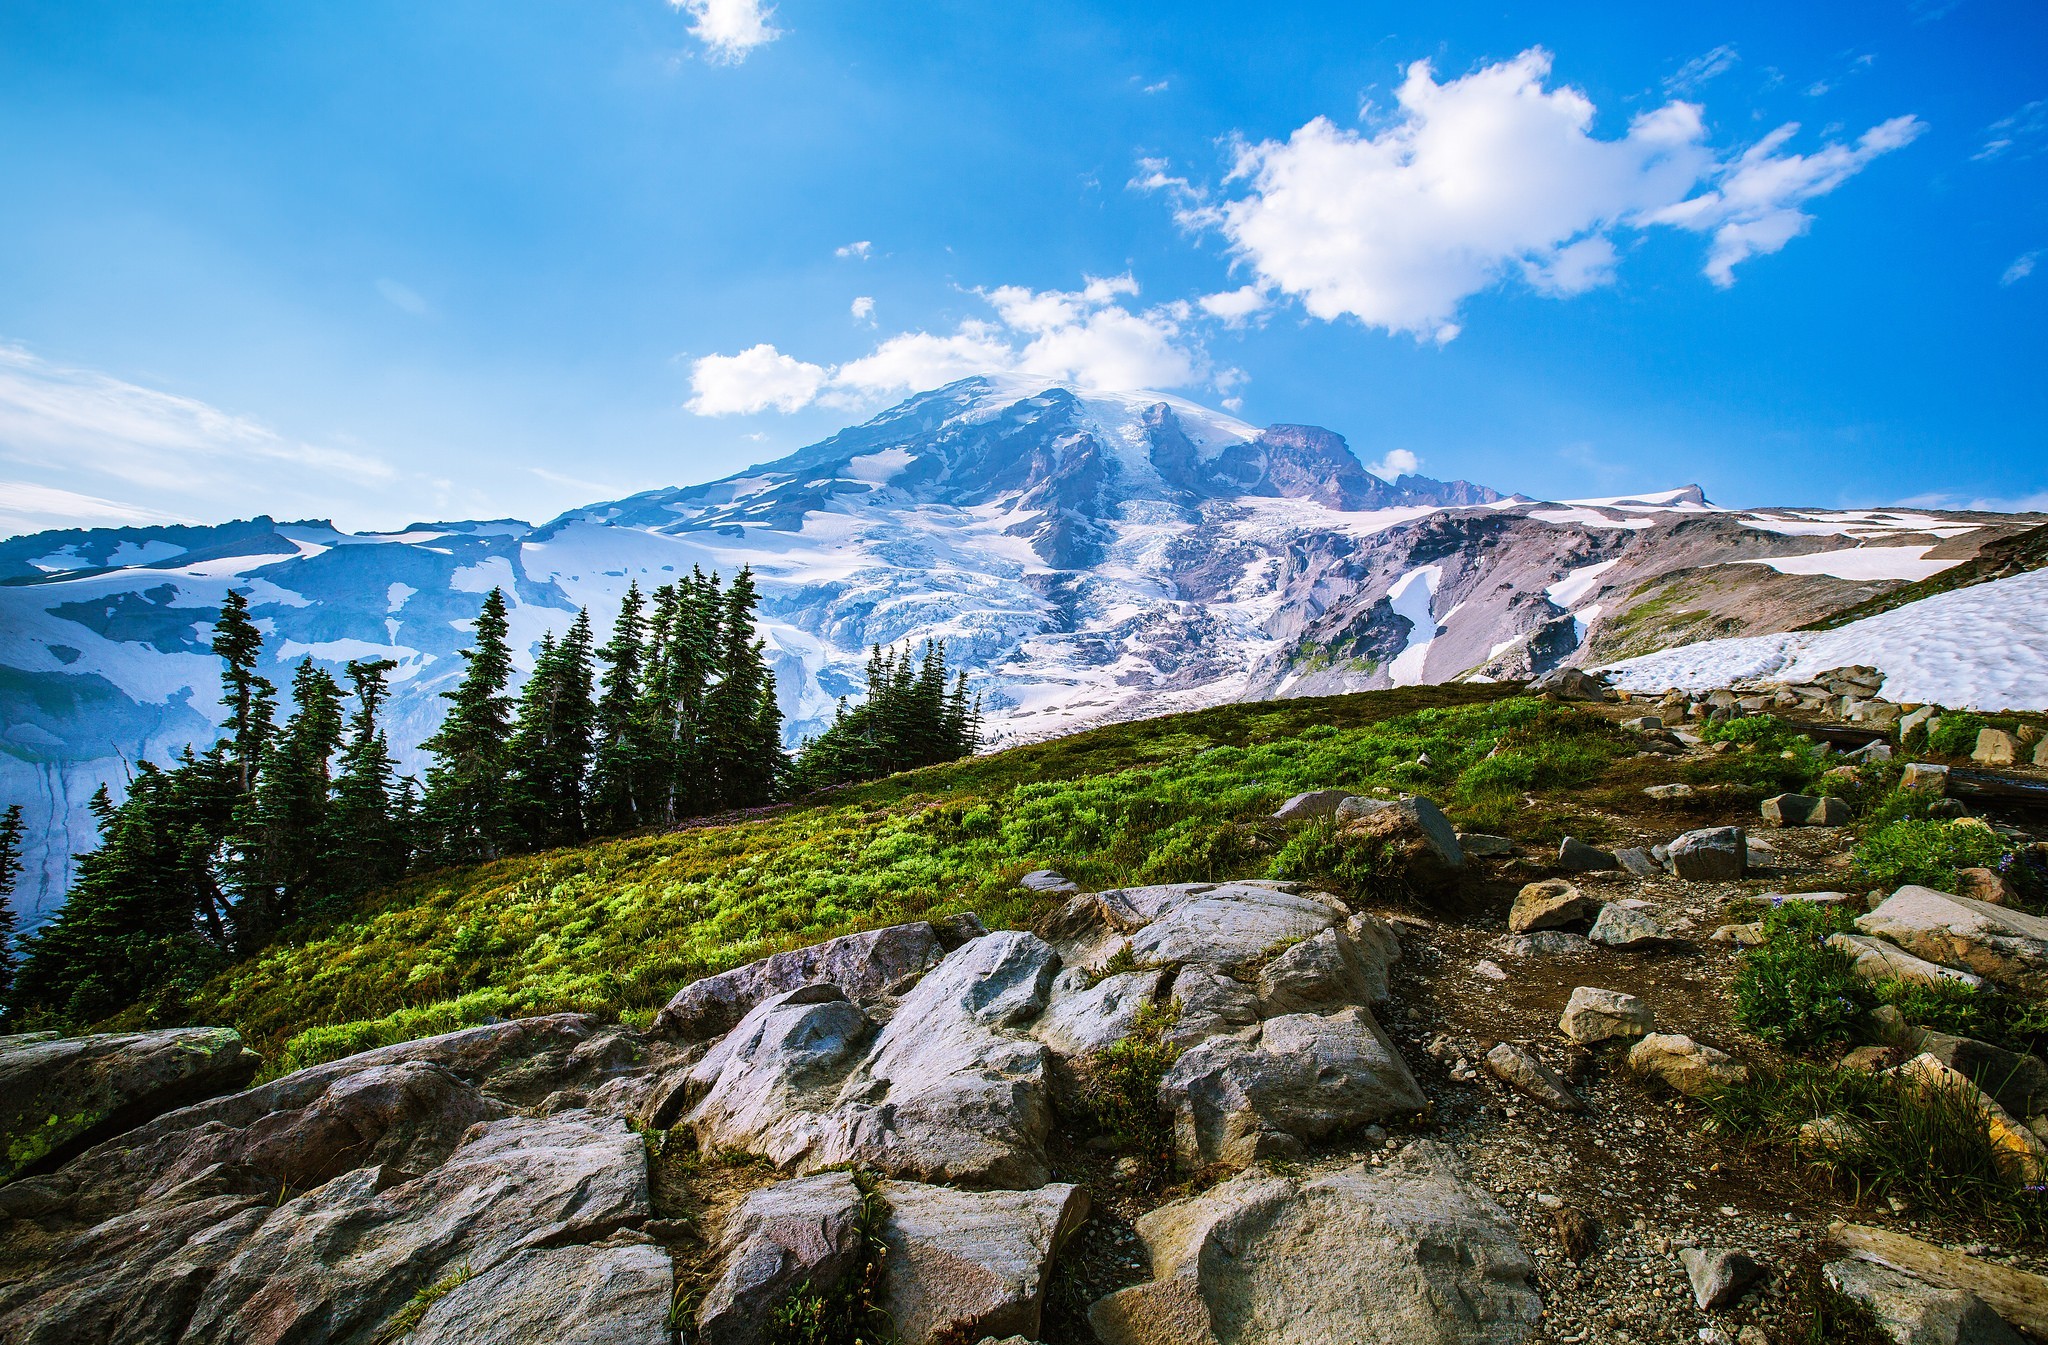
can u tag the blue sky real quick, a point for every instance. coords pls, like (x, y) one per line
(391, 261)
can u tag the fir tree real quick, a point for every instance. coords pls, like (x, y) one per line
(368, 842)
(466, 805)
(551, 746)
(250, 698)
(619, 747)
(742, 726)
(284, 835)
(909, 719)
(10, 873)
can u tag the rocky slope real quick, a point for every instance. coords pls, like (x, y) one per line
(1090, 556)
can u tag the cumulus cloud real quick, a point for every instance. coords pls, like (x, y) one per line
(1494, 175)
(1093, 337)
(2022, 267)
(1234, 306)
(857, 251)
(730, 29)
(759, 378)
(863, 309)
(1755, 207)
(1398, 462)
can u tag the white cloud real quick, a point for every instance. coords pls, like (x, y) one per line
(1398, 462)
(404, 298)
(1754, 209)
(1091, 337)
(863, 309)
(2020, 135)
(730, 29)
(1234, 306)
(1160, 87)
(28, 507)
(1489, 176)
(858, 251)
(757, 379)
(2022, 267)
(1702, 68)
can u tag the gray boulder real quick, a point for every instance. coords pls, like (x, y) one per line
(1357, 806)
(966, 1265)
(1210, 1003)
(1913, 1312)
(1572, 684)
(1805, 810)
(1575, 856)
(1406, 1252)
(58, 1095)
(561, 1296)
(1637, 861)
(1306, 807)
(1550, 904)
(1621, 927)
(800, 1235)
(1231, 924)
(866, 965)
(2004, 946)
(1521, 1070)
(1423, 845)
(765, 1086)
(1265, 1090)
(1876, 960)
(1594, 1015)
(1050, 881)
(1711, 855)
(1081, 1017)
(1719, 1275)
(1322, 973)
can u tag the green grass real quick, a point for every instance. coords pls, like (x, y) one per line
(1927, 851)
(616, 927)
(407, 1318)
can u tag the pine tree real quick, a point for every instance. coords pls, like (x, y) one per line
(742, 724)
(551, 745)
(10, 873)
(368, 843)
(909, 720)
(283, 834)
(251, 699)
(466, 805)
(618, 750)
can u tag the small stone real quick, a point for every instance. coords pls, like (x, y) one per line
(1490, 970)
(1550, 904)
(1749, 935)
(1996, 747)
(1315, 803)
(1521, 1070)
(1672, 791)
(1926, 777)
(1638, 861)
(1805, 810)
(1484, 846)
(1594, 1015)
(1684, 1065)
(1575, 856)
(1981, 884)
(1711, 854)
(1719, 1275)
(1049, 881)
(1643, 723)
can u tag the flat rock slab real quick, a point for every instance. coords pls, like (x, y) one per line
(1917, 1312)
(1407, 1252)
(59, 1095)
(562, 1296)
(863, 966)
(1876, 960)
(1231, 924)
(2004, 946)
(1265, 1090)
(966, 1265)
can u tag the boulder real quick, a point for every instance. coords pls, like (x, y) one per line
(1719, 1275)
(1643, 723)
(1309, 806)
(59, 1095)
(1545, 943)
(561, 1296)
(1266, 1089)
(1749, 935)
(1684, 1065)
(1985, 885)
(803, 1235)
(864, 966)
(1230, 924)
(1575, 856)
(1422, 844)
(1876, 960)
(1357, 806)
(2004, 946)
(1805, 810)
(2021, 1155)
(1996, 747)
(1521, 1070)
(1915, 1312)
(333, 1263)
(1407, 1252)
(1924, 777)
(1210, 1003)
(1317, 975)
(1080, 1017)
(1050, 881)
(1711, 855)
(1621, 927)
(2019, 1083)
(1572, 684)
(1665, 793)
(1550, 904)
(965, 1265)
(1593, 1016)
(1637, 861)
(764, 1087)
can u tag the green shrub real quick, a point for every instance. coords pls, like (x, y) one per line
(1794, 990)
(1956, 734)
(1926, 851)
(1119, 1087)
(318, 1045)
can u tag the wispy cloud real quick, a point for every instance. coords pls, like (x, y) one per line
(28, 507)
(2019, 136)
(856, 251)
(2022, 267)
(1702, 68)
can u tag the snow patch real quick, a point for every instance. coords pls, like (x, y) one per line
(1860, 562)
(1576, 584)
(1412, 596)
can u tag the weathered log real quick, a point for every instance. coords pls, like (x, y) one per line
(2019, 1297)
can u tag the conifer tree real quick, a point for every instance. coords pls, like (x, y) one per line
(909, 719)
(466, 805)
(617, 751)
(742, 724)
(283, 834)
(250, 698)
(10, 873)
(551, 745)
(368, 843)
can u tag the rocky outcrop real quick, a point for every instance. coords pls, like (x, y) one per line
(1407, 1252)
(2006, 947)
(599, 1295)
(967, 1265)
(1414, 838)
(799, 1235)
(59, 1095)
(863, 966)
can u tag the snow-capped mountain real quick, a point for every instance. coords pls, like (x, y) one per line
(1087, 555)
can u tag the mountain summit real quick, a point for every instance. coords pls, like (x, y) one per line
(1087, 555)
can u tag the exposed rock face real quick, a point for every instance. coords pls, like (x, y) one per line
(1684, 1065)
(1263, 1091)
(1409, 1252)
(863, 966)
(967, 1265)
(1320, 974)
(60, 1094)
(1081, 1018)
(1231, 924)
(796, 1235)
(562, 1296)
(2007, 947)
(1550, 904)
(1594, 1015)
(1914, 1312)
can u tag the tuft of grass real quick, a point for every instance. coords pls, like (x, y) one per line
(407, 1318)
(1119, 1088)
(1955, 735)
(333, 1041)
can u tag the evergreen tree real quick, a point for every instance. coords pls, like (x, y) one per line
(551, 746)
(909, 719)
(250, 698)
(619, 747)
(283, 836)
(742, 726)
(368, 842)
(466, 805)
(10, 873)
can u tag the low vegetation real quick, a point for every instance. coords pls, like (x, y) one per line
(1119, 1088)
